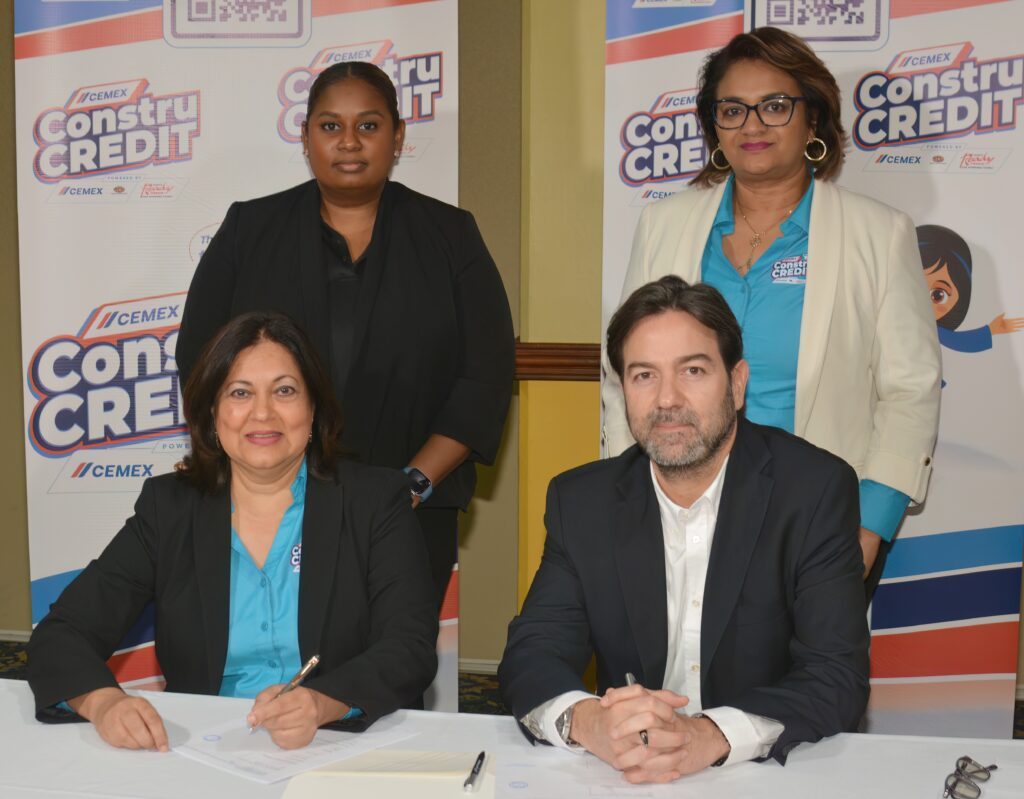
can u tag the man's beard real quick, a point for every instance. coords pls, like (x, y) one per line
(686, 451)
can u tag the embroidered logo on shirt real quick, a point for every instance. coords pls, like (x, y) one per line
(790, 270)
(296, 557)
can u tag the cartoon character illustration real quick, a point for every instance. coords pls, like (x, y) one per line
(946, 260)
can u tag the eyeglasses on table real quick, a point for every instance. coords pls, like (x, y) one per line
(963, 783)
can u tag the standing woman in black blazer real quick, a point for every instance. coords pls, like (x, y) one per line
(396, 290)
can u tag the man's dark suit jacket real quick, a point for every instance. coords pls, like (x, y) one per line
(783, 627)
(366, 601)
(432, 333)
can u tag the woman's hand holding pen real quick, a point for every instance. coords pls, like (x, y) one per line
(292, 718)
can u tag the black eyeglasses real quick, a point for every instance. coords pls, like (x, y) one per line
(963, 783)
(775, 112)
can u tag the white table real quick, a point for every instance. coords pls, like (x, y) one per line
(70, 760)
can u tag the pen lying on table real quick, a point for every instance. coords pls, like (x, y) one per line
(295, 681)
(474, 773)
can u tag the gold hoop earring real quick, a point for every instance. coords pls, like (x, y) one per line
(824, 151)
(715, 164)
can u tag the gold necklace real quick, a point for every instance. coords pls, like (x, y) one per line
(756, 239)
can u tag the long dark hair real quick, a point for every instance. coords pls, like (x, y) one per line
(208, 467)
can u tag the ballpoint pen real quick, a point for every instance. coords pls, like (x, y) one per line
(295, 681)
(470, 783)
(631, 680)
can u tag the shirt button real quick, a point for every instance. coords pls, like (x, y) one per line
(696, 603)
(263, 582)
(695, 668)
(695, 539)
(264, 626)
(272, 664)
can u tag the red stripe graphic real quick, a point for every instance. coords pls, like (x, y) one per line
(135, 664)
(147, 26)
(703, 35)
(980, 649)
(915, 8)
(450, 605)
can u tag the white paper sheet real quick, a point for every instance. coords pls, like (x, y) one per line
(231, 748)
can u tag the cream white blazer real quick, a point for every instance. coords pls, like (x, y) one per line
(868, 372)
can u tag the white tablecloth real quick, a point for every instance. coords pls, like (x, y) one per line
(70, 760)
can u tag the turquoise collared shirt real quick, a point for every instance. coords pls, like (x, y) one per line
(768, 303)
(263, 620)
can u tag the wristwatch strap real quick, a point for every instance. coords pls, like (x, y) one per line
(419, 483)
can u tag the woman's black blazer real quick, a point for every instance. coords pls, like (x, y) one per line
(366, 598)
(433, 334)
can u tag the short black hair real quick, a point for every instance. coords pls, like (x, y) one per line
(671, 293)
(207, 467)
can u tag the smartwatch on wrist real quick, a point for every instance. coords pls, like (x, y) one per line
(419, 484)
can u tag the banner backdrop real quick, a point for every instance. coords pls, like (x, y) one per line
(138, 123)
(932, 95)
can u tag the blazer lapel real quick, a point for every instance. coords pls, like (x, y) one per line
(640, 558)
(693, 236)
(321, 529)
(312, 275)
(744, 502)
(212, 550)
(824, 262)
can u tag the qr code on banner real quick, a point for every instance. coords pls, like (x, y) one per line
(844, 24)
(240, 23)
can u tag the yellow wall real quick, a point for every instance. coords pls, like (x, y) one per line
(490, 158)
(14, 601)
(563, 120)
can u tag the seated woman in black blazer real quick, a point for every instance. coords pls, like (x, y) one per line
(396, 290)
(262, 550)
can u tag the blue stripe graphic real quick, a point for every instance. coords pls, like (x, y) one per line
(33, 15)
(962, 550)
(943, 599)
(621, 19)
(45, 591)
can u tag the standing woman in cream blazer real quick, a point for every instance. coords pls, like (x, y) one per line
(826, 284)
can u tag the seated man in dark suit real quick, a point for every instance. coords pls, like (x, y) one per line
(716, 560)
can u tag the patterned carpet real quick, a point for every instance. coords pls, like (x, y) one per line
(478, 693)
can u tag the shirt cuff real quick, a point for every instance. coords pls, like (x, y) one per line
(749, 736)
(881, 508)
(541, 720)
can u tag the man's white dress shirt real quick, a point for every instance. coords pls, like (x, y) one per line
(687, 535)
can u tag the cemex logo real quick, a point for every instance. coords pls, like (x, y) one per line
(418, 79)
(112, 383)
(111, 470)
(663, 143)
(937, 93)
(112, 127)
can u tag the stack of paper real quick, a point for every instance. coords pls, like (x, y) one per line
(395, 774)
